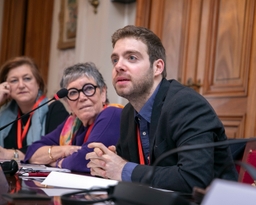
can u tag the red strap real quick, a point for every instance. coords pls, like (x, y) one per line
(21, 134)
(88, 132)
(90, 128)
(56, 96)
(141, 155)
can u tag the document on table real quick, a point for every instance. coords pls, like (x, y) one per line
(75, 181)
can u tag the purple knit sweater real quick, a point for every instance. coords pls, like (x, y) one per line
(106, 129)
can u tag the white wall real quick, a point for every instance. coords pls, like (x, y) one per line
(93, 42)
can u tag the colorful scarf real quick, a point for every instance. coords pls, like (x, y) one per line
(69, 130)
(72, 125)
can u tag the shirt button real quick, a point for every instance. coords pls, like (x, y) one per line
(144, 133)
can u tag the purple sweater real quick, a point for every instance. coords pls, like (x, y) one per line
(106, 129)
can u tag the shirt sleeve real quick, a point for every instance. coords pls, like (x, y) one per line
(127, 171)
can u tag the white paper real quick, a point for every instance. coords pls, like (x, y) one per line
(75, 181)
(223, 192)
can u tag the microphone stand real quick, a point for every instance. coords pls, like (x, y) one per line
(60, 94)
(1, 128)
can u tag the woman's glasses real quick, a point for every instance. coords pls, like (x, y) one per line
(88, 90)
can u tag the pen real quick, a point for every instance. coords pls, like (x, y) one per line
(36, 174)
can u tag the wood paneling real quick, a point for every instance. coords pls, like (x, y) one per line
(38, 33)
(14, 17)
(27, 31)
(211, 45)
(229, 47)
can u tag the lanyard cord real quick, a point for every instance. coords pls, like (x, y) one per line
(88, 132)
(21, 134)
(141, 155)
(90, 128)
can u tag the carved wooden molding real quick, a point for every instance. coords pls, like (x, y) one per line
(145, 9)
(229, 48)
(234, 125)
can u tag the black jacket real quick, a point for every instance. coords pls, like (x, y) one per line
(180, 116)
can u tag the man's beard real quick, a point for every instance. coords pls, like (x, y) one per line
(140, 89)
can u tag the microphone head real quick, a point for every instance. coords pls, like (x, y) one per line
(61, 93)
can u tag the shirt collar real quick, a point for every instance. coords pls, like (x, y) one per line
(146, 110)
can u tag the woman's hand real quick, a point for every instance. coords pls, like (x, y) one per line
(70, 149)
(9, 154)
(4, 91)
(50, 154)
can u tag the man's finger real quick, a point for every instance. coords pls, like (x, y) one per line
(112, 148)
(98, 151)
(100, 146)
(91, 155)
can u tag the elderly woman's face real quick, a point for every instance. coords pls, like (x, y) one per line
(86, 108)
(23, 85)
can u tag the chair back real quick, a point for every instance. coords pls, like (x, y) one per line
(249, 157)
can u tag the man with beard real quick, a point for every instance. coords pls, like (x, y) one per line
(161, 115)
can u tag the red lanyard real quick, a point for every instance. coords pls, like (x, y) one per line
(90, 128)
(88, 132)
(22, 133)
(141, 155)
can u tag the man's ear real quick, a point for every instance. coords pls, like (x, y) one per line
(158, 67)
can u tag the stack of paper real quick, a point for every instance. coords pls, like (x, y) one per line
(75, 181)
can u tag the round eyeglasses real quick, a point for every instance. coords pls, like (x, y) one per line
(88, 90)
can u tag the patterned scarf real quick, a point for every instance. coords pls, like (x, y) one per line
(72, 125)
(69, 130)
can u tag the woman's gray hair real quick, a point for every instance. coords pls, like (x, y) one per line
(76, 71)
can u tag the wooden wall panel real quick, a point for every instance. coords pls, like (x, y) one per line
(234, 125)
(14, 17)
(211, 45)
(38, 33)
(230, 44)
(181, 35)
(143, 13)
(27, 31)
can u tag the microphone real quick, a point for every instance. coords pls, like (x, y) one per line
(151, 173)
(60, 94)
(9, 167)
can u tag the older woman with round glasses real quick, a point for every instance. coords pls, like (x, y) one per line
(91, 121)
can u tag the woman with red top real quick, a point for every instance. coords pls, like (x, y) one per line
(22, 89)
(91, 121)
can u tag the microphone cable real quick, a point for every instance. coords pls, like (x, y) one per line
(150, 174)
